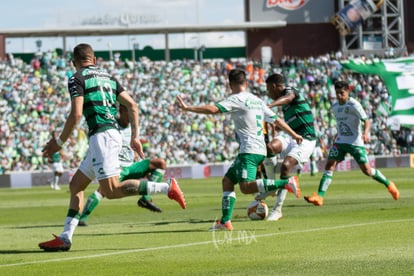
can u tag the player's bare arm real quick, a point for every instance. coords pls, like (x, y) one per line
(73, 120)
(204, 109)
(283, 100)
(365, 134)
(285, 127)
(133, 113)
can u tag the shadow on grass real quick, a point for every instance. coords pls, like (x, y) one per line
(36, 226)
(13, 252)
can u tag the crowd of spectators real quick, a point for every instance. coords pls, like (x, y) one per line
(34, 101)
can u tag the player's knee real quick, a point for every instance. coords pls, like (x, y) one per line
(273, 147)
(245, 187)
(159, 163)
(288, 164)
(365, 171)
(110, 196)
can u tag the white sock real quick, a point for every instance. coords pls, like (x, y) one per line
(270, 165)
(98, 195)
(69, 228)
(157, 187)
(280, 199)
(260, 185)
(55, 181)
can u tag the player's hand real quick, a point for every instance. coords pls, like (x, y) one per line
(298, 139)
(366, 138)
(137, 147)
(50, 148)
(181, 103)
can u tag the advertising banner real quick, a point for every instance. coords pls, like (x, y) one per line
(292, 11)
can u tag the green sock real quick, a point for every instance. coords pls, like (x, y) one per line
(156, 175)
(227, 206)
(137, 170)
(91, 203)
(324, 183)
(271, 184)
(143, 187)
(378, 176)
(147, 197)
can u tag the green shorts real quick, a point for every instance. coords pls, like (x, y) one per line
(338, 152)
(244, 168)
(136, 170)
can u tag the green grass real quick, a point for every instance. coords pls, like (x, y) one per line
(360, 230)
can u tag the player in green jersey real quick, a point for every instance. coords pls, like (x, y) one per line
(298, 115)
(94, 94)
(153, 169)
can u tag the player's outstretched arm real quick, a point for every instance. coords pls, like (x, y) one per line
(203, 109)
(282, 124)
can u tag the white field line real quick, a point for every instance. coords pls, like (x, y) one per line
(203, 243)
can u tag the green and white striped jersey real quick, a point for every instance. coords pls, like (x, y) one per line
(100, 91)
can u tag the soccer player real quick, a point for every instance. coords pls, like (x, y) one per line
(94, 93)
(248, 113)
(316, 155)
(153, 169)
(298, 115)
(350, 116)
(57, 167)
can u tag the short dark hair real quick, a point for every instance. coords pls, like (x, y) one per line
(237, 76)
(341, 85)
(275, 78)
(83, 52)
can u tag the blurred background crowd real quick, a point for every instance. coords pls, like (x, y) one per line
(34, 102)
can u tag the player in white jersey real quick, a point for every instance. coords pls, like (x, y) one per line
(248, 113)
(350, 139)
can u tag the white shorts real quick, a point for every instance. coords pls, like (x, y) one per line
(300, 152)
(317, 153)
(57, 167)
(101, 160)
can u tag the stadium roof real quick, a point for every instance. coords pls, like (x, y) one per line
(166, 30)
(101, 31)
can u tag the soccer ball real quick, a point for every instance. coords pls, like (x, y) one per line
(257, 210)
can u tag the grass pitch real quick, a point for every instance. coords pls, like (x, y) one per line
(360, 230)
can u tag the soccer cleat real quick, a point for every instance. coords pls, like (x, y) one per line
(222, 226)
(57, 187)
(393, 190)
(175, 193)
(293, 186)
(275, 215)
(144, 203)
(315, 199)
(57, 244)
(82, 223)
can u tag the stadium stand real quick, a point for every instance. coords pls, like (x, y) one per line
(34, 96)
